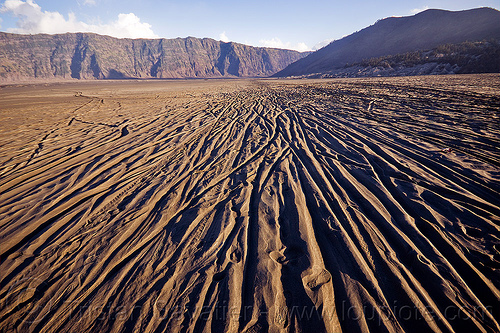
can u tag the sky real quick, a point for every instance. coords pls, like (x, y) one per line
(292, 24)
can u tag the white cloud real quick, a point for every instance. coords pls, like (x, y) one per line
(89, 2)
(301, 47)
(418, 10)
(223, 37)
(322, 44)
(31, 19)
(277, 43)
(1, 22)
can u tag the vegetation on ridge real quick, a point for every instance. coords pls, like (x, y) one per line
(469, 57)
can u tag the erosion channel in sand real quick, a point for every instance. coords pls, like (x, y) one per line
(251, 205)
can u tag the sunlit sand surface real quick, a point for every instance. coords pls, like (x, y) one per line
(251, 205)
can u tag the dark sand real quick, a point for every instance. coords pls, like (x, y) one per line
(260, 205)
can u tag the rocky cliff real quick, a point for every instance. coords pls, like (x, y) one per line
(92, 56)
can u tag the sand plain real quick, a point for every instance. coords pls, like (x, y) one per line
(348, 205)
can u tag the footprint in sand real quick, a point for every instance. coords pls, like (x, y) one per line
(235, 256)
(73, 247)
(281, 314)
(219, 276)
(278, 257)
(319, 277)
(287, 256)
(236, 210)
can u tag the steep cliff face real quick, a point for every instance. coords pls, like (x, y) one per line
(91, 56)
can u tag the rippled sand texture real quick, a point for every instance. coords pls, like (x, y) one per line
(255, 206)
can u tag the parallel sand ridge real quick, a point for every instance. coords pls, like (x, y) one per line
(173, 206)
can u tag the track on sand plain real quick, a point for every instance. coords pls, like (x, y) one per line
(341, 205)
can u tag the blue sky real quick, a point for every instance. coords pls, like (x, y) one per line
(301, 25)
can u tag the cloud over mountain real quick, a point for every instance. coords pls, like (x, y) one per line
(277, 43)
(223, 37)
(32, 19)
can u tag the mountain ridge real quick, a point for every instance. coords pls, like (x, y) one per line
(94, 56)
(394, 35)
(461, 58)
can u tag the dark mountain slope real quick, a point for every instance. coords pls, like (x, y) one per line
(91, 56)
(396, 35)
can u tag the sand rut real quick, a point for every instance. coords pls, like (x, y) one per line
(254, 206)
